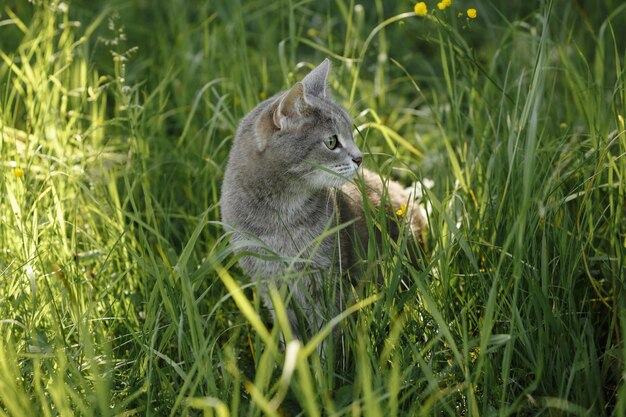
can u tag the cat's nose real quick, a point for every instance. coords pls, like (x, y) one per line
(357, 160)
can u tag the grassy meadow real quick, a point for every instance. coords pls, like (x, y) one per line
(119, 292)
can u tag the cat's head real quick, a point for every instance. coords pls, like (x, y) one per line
(308, 135)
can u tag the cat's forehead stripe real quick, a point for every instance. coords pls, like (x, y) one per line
(340, 115)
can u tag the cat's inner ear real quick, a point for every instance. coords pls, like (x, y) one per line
(288, 109)
(316, 81)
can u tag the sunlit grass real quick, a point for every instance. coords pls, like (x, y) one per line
(120, 294)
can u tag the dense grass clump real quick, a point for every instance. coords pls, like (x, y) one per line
(120, 295)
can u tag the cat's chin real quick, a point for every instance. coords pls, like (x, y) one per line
(334, 179)
(350, 173)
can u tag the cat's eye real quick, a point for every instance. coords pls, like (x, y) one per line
(331, 142)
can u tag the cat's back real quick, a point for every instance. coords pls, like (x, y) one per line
(240, 200)
(369, 193)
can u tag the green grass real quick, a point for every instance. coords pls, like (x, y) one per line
(120, 296)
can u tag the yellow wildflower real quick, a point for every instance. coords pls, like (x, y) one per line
(401, 212)
(443, 4)
(420, 9)
(472, 13)
(18, 172)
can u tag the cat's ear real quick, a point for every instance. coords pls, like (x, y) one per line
(316, 81)
(289, 106)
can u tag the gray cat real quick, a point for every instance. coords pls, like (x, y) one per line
(297, 219)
